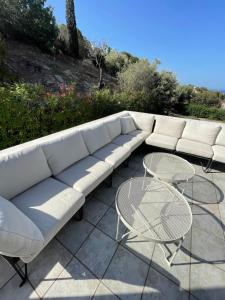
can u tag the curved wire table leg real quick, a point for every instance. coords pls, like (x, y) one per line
(170, 258)
(117, 228)
(185, 186)
(117, 232)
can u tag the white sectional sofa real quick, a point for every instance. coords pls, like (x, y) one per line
(44, 183)
(166, 133)
(195, 137)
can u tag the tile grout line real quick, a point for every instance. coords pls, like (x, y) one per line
(219, 210)
(189, 292)
(73, 256)
(100, 279)
(149, 267)
(15, 275)
(95, 227)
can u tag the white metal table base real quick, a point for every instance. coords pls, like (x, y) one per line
(186, 181)
(172, 255)
(169, 258)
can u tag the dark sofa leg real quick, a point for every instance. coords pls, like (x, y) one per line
(13, 261)
(108, 181)
(25, 276)
(126, 163)
(208, 167)
(79, 214)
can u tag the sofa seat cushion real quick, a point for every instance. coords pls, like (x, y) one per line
(85, 175)
(143, 121)
(112, 154)
(64, 150)
(219, 153)
(129, 141)
(49, 204)
(95, 137)
(201, 131)
(19, 236)
(21, 170)
(162, 141)
(195, 148)
(114, 127)
(140, 134)
(169, 126)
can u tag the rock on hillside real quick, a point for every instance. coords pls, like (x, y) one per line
(33, 66)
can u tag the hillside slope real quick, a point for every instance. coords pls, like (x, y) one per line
(33, 66)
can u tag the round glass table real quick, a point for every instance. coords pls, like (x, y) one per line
(154, 210)
(168, 167)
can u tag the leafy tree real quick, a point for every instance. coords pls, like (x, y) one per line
(98, 53)
(139, 77)
(72, 29)
(144, 78)
(29, 21)
(117, 61)
(189, 94)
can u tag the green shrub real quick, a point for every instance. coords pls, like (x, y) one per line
(29, 21)
(144, 79)
(138, 77)
(28, 112)
(104, 103)
(190, 94)
(209, 98)
(203, 111)
(118, 61)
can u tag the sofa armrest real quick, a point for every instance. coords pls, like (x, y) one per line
(19, 236)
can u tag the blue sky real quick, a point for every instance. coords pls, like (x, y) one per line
(187, 36)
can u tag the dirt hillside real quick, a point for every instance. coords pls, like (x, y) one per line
(31, 65)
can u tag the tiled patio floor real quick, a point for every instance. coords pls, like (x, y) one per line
(85, 262)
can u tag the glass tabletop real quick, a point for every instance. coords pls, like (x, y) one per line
(168, 167)
(153, 209)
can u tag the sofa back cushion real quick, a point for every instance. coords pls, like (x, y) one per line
(65, 150)
(169, 126)
(114, 127)
(19, 236)
(96, 137)
(201, 131)
(143, 121)
(220, 140)
(21, 170)
(127, 124)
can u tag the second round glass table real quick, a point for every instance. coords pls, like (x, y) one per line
(168, 167)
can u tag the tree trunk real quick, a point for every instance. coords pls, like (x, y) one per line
(101, 83)
(72, 29)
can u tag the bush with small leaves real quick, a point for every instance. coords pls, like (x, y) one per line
(204, 111)
(118, 61)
